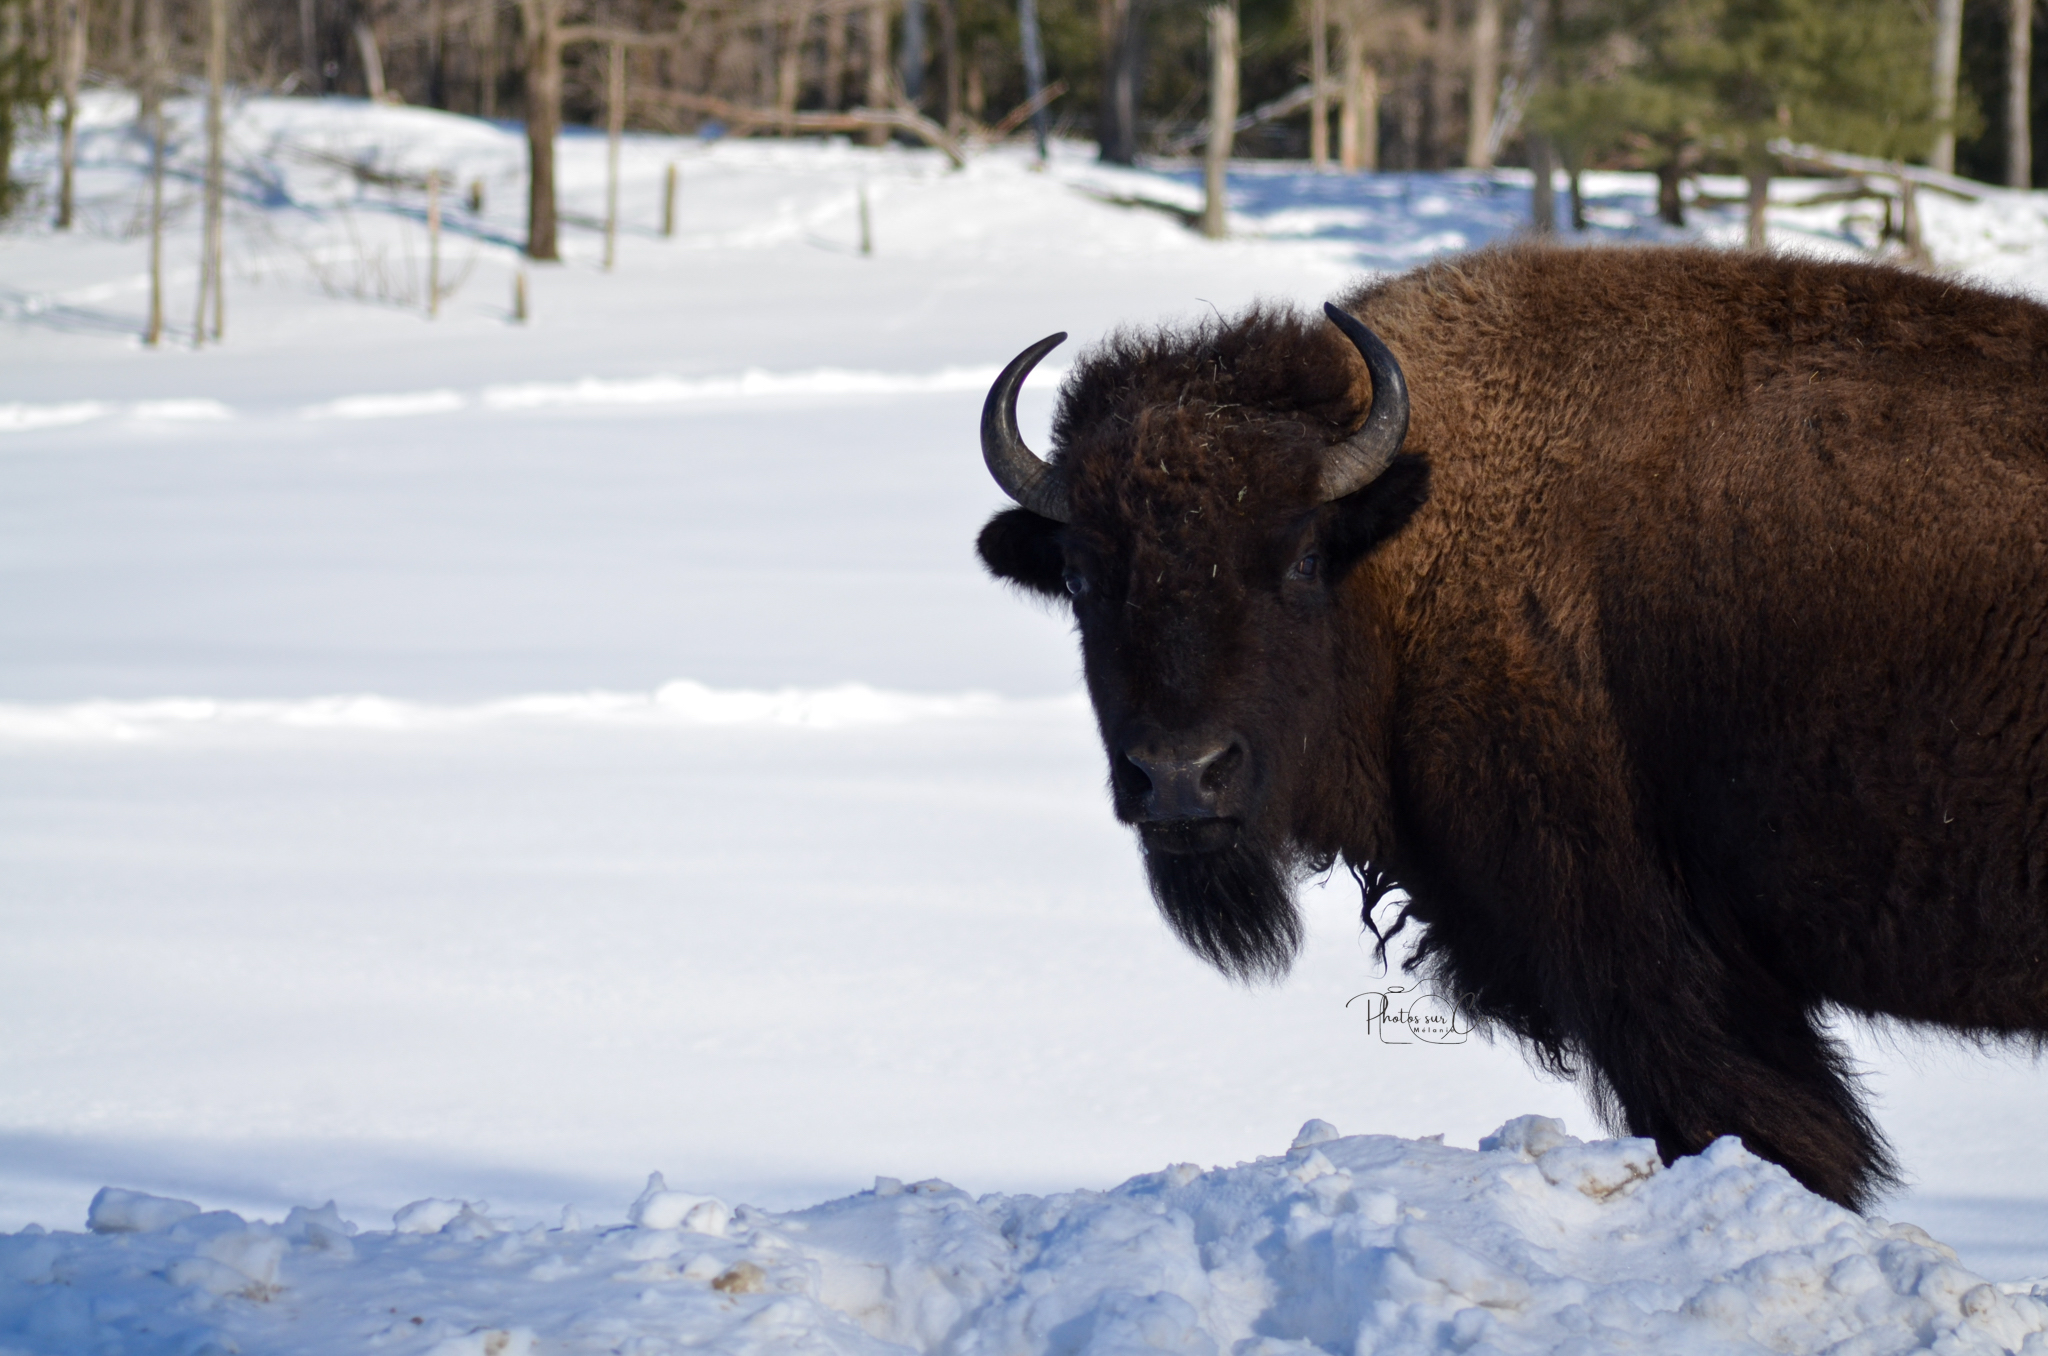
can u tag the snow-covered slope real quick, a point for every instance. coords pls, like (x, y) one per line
(468, 759)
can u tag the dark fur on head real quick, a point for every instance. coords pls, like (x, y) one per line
(1194, 456)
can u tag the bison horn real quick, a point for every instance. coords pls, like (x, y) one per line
(1024, 477)
(1358, 461)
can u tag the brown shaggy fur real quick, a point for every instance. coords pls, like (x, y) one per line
(1689, 671)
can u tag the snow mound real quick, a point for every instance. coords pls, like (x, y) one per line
(1535, 1243)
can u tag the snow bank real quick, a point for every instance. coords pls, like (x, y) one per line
(676, 703)
(755, 384)
(1535, 1243)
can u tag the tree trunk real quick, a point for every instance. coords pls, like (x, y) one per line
(835, 58)
(1485, 84)
(373, 61)
(1442, 61)
(543, 122)
(70, 71)
(1948, 51)
(1759, 205)
(877, 95)
(950, 102)
(1318, 74)
(912, 55)
(155, 75)
(1034, 70)
(789, 66)
(122, 54)
(614, 128)
(437, 57)
(1222, 118)
(1116, 132)
(1670, 202)
(309, 48)
(1542, 155)
(212, 285)
(1358, 121)
(10, 44)
(1543, 191)
(486, 41)
(2019, 59)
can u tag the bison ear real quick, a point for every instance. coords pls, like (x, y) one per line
(1024, 548)
(1374, 514)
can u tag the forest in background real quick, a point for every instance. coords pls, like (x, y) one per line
(1675, 86)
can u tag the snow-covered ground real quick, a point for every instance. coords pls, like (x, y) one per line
(462, 760)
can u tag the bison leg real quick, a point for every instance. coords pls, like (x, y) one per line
(1743, 1061)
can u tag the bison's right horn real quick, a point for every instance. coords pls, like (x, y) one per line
(1022, 474)
(1356, 462)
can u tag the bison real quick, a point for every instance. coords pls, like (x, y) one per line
(1668, 627)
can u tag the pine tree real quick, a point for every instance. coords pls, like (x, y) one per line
(24, 87)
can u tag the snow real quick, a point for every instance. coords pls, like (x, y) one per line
(1536, 1242)
(464, 761)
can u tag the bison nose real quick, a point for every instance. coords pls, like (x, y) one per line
(1191, 781)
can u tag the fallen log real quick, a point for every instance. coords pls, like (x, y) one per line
(852, 120)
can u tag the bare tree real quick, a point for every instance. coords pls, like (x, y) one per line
(614, 126)
(1121, 31)
(373, 59)
(1222, 117)
(212, 285)
(912, 54)
(543, 24)
(789, 70)
(836, 21)
(1318, 75)
(876, 32)
(1948, 53)
(70, 71)
(2019, 58)
(485, 41)
(156, 64)
(1442, 62)
(1358, 122)
(1034, 70)
(1485, 83)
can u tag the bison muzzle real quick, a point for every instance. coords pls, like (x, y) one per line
(1668, 627)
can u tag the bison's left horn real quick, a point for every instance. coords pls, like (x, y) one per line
(1020, 471)
(1356, 462)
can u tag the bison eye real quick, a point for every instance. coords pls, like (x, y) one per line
(1077, 583)
(1305, 568)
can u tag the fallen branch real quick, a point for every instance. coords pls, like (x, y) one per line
(364, 172)
(1293, 101)
(1016, 116)
(853, 120)
(1969, 190)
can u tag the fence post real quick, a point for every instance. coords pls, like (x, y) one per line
(433, 243)
(668, 201)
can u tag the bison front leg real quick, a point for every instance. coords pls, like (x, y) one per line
(1715, 1056)
(1550, 912)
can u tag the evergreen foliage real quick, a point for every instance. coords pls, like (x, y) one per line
(24, 88)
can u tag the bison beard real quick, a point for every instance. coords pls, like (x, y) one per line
(1233, 908)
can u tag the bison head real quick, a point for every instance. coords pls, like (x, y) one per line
(1209, 498)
